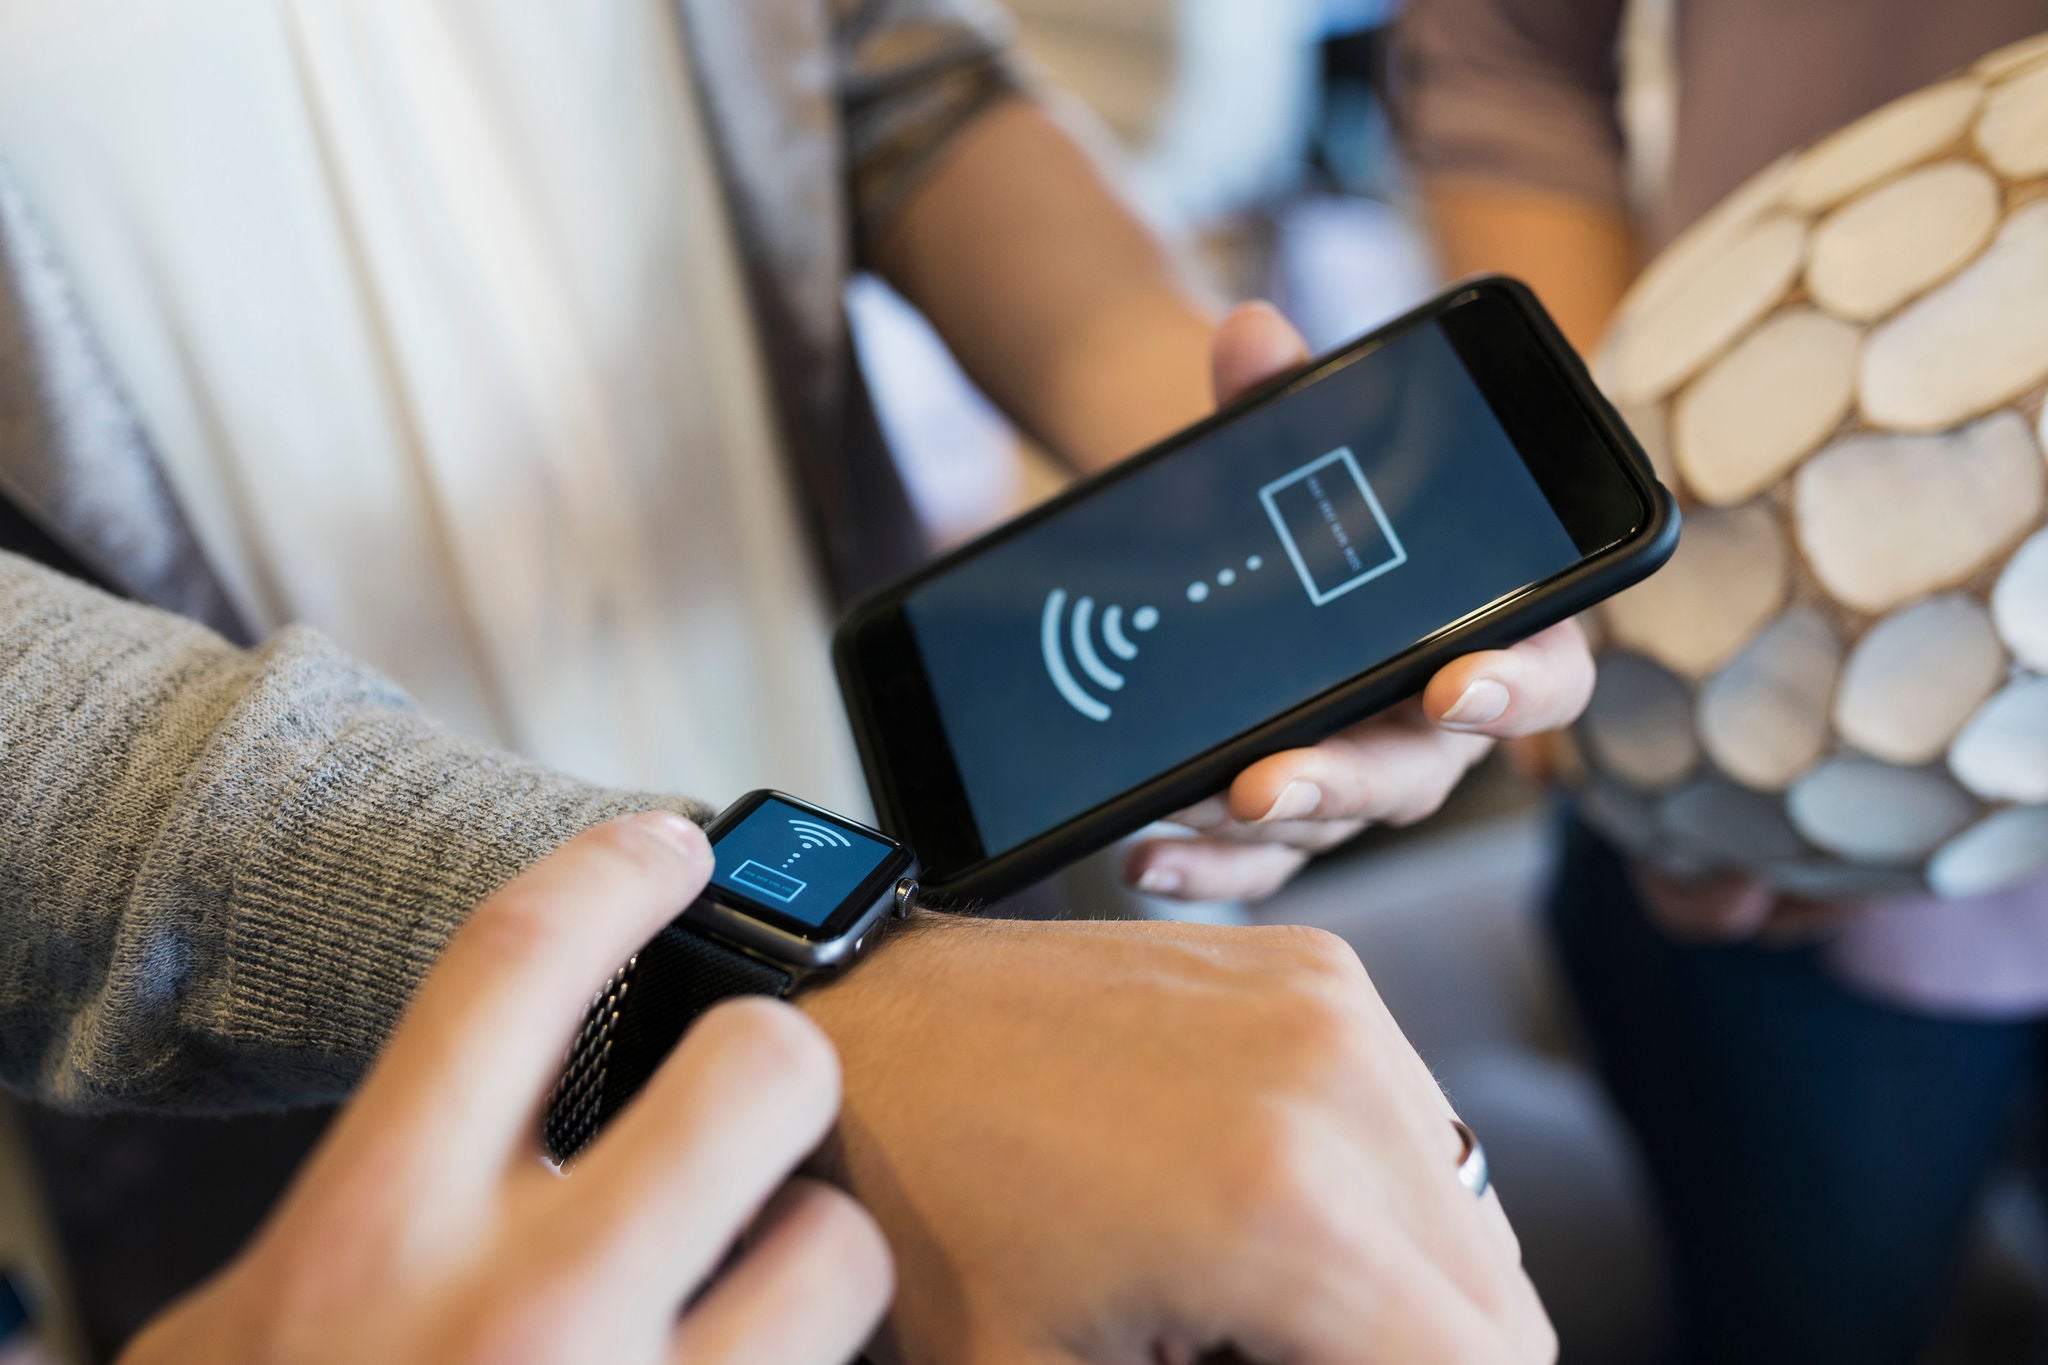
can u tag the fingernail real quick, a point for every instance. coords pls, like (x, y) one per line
(1296, 801)
(679, 833)
(1484, 702)
(1160, 881)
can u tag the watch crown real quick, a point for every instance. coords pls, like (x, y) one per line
(906, 897)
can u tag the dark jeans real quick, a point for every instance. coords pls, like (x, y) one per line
(1816, 1155)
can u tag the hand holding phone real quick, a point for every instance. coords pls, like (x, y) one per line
(1396, 768)
(1311, 556)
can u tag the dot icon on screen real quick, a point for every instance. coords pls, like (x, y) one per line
(1226, 578)
(1198, 592)
(1255, 563)
(1144, 618)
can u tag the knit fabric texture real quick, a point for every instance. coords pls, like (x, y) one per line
(224, 871)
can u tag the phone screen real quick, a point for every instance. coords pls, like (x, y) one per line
(1236, 578)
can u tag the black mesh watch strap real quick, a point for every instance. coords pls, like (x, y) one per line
(639, 1017)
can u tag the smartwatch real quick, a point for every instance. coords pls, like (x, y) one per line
(797, 893)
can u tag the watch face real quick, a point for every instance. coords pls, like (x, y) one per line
(799, 868)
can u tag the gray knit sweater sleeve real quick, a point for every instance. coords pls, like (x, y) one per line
(223, 872)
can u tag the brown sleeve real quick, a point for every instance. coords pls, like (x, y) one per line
(1516, 90)
(911, 75)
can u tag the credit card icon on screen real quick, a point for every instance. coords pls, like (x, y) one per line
(1330, 521)
(775, 885)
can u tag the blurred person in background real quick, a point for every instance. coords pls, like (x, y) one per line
(503, 343)
(1818, 1121)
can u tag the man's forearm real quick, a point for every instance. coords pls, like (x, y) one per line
(224, 871)
(1060, 301)
(1578, 255)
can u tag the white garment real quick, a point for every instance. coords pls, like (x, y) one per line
(433, 310)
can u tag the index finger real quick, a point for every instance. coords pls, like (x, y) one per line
(459, 1086)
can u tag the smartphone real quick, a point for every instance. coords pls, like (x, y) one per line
(1305, 558)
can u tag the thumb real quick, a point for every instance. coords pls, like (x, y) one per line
(1255, 343)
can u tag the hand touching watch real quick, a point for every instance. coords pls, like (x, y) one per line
(427, 1227)
(798, 893)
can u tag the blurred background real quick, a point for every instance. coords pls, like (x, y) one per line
(1257, 134)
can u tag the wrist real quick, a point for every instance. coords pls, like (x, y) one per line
(797, 894)
(870, 1012)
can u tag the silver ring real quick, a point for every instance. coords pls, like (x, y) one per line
(1472, 1171)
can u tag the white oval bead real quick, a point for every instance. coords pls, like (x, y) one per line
(1728, 824)
(2013, 130)
(1969, 345)
(2002, 754)
(1908, 130)
(1997, 853)
(1916, 677)
(2019, 604)
(1727, 579)
(1764, 718)
(1884, 519)
(1877, 252)
(1638, 725)
(1872, 812)
(1765, 405)
(1668, 340)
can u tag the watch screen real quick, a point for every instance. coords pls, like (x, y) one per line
(795, 862)
(1238, 577)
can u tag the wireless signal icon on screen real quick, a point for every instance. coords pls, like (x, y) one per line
(811, 834)
(1058, 629)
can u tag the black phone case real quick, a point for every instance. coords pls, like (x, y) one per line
(1586, 584)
